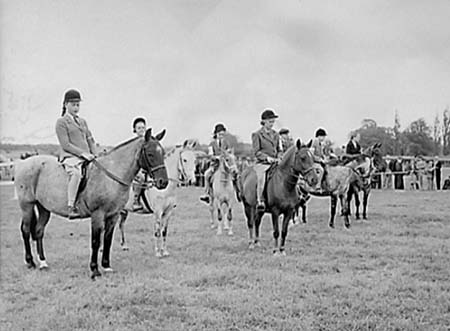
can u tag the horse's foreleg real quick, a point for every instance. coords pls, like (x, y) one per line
(218, 207)
(304, 212)
(284, 229)
(276, 230)
(344, 207)
(211, 212)
(97, 225)
(229, 219)
(110, 223)
(28, 222)
(44, 216)
(123, 217)
(257, 221)
(357, 204)
(157, 235)
(166, 217)
(250, 221)
(365, 201)
(333, 210)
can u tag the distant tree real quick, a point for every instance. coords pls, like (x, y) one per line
(437, 137)
(446, 132)
(371, 133)
(397, 135)
(419, 140)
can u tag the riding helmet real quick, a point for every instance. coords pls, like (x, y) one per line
(283, 131)
(321, 133)
(219, 128)
(139, 120)
(268, 114)
(72, 96)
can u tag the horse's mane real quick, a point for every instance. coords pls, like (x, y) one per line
(120, 146)
(287, 155)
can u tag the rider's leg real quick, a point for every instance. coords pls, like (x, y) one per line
(74, 172)
(260, 170)
(208, 175)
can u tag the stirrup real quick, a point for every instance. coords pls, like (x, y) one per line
(73, 213)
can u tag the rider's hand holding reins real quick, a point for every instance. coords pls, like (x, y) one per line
(88, 156)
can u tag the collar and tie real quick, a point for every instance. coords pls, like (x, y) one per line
(76, 118)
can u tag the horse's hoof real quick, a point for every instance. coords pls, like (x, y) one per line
(219, 232)
(230, 232)
(108, 270)
(257, 244)
(347, 226)
(95, 274)
(125, 248)
(158, 255)
(226, 227)
(283, 253)
(43, 265)
(331, 225)
(251, 246)
(165, 253)
(30, 265)
(276, 253)
(212, 226)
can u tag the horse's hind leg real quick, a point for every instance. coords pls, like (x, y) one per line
(257, 221)
(365, 200)
(28, 225)
(284, 230)
(357, 204)
(219, 218)
(44, 216)
(211, 212)
(110, 223)
(123, 217)
(333, 210)
(165, 221)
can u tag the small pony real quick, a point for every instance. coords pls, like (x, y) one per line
(223, 191)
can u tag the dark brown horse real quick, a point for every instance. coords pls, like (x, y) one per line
(41, 185)
(281, 193)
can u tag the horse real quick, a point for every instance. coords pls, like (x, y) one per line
(222, 192)
(339, 182)
(378, 164)
(180, 164)
(280, 192)
(41, 185)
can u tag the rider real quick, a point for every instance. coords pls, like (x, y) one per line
(286, 140)
(77, 145)
(353, 146)
(267, 149)
(317, 149)
(215, 149)
(139, 128)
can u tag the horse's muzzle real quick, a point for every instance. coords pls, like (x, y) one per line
(161, 183)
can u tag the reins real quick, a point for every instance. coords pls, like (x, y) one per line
(109, 173)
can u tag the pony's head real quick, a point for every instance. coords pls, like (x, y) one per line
(375, 153)
(187, 161)
(303, 161)
(228, 160)
(151, 158)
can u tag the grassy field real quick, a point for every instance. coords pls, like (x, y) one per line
(391, 273)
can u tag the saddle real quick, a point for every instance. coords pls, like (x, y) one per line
(269, 174)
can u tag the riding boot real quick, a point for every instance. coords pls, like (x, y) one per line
(137, 205)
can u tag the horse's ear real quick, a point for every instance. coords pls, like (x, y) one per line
(185, 143)
(161, 135)
(298, 143)
(148, 134)
(309, 144)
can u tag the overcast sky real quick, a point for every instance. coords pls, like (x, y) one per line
(187, 65)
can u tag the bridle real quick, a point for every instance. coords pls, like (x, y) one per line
(144, 163)
(296, 173)
(181, 171)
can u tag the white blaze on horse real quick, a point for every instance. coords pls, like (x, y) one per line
(41, 185)
(223, 191)
(180, 165)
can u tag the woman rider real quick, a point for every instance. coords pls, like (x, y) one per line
(267, 149)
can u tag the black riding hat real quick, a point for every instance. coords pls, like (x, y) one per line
(72, 96)
(138, 120)
(219, 128)
(284, 131)
(268, 114)
(321, 133)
